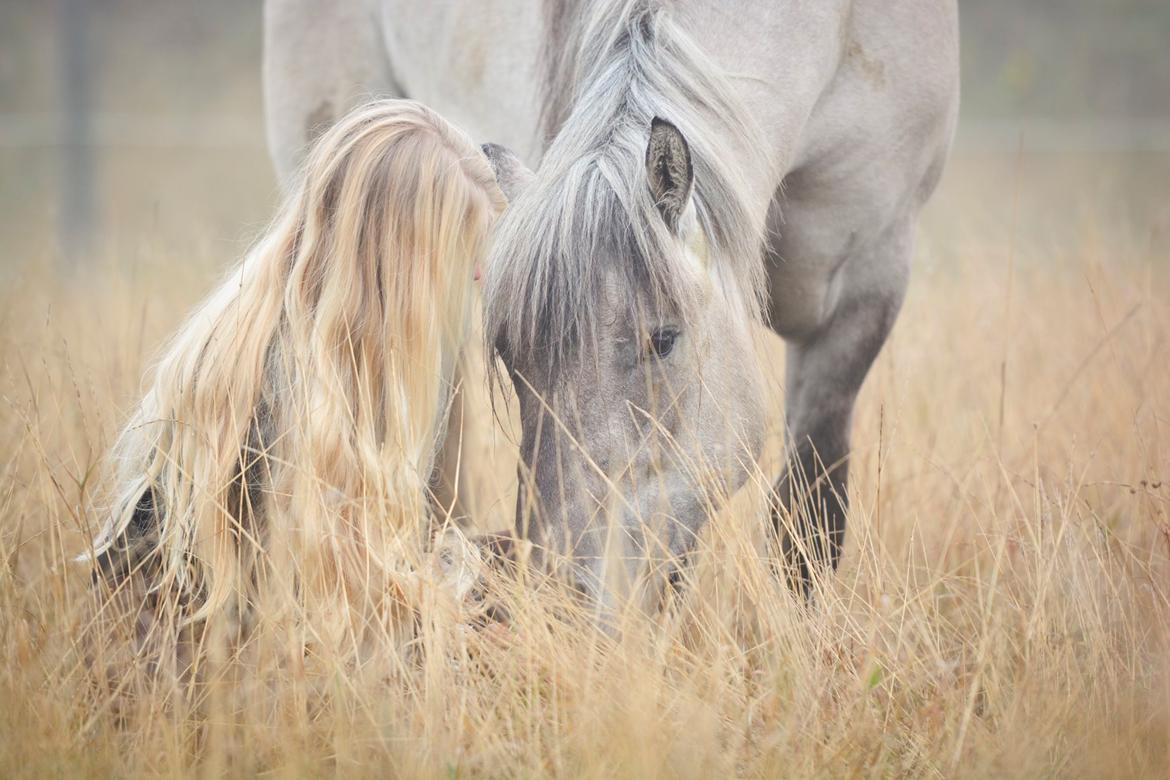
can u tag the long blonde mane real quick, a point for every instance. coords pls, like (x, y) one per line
(282, 451)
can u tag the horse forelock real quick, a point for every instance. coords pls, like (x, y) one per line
(589, 215)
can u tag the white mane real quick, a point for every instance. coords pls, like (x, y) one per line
(614, 65)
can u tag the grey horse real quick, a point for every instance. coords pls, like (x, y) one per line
(696, 167)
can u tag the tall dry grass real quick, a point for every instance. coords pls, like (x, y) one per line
(1003, 608)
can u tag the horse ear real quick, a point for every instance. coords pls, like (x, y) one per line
(669, 171)
(512, 175)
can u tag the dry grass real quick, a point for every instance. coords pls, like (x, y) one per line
(1003, 608)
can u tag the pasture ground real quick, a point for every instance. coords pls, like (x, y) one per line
(1003, 608)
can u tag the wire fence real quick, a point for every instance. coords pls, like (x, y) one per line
(239, 132)
(134, 131)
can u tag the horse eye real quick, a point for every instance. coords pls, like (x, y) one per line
(662, 341)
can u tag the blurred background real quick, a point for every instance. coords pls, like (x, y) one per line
(133, 129)
(1018, 415)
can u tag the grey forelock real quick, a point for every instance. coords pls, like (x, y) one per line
(589, 214)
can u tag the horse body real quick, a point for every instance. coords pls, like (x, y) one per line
(851, 105)
(474, 62)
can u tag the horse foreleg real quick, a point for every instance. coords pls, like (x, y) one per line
(825, 370)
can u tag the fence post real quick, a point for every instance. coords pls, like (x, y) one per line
(75, 219)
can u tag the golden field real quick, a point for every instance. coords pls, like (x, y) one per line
(1003, 608)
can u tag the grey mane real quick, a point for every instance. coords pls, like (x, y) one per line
(614, 65)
